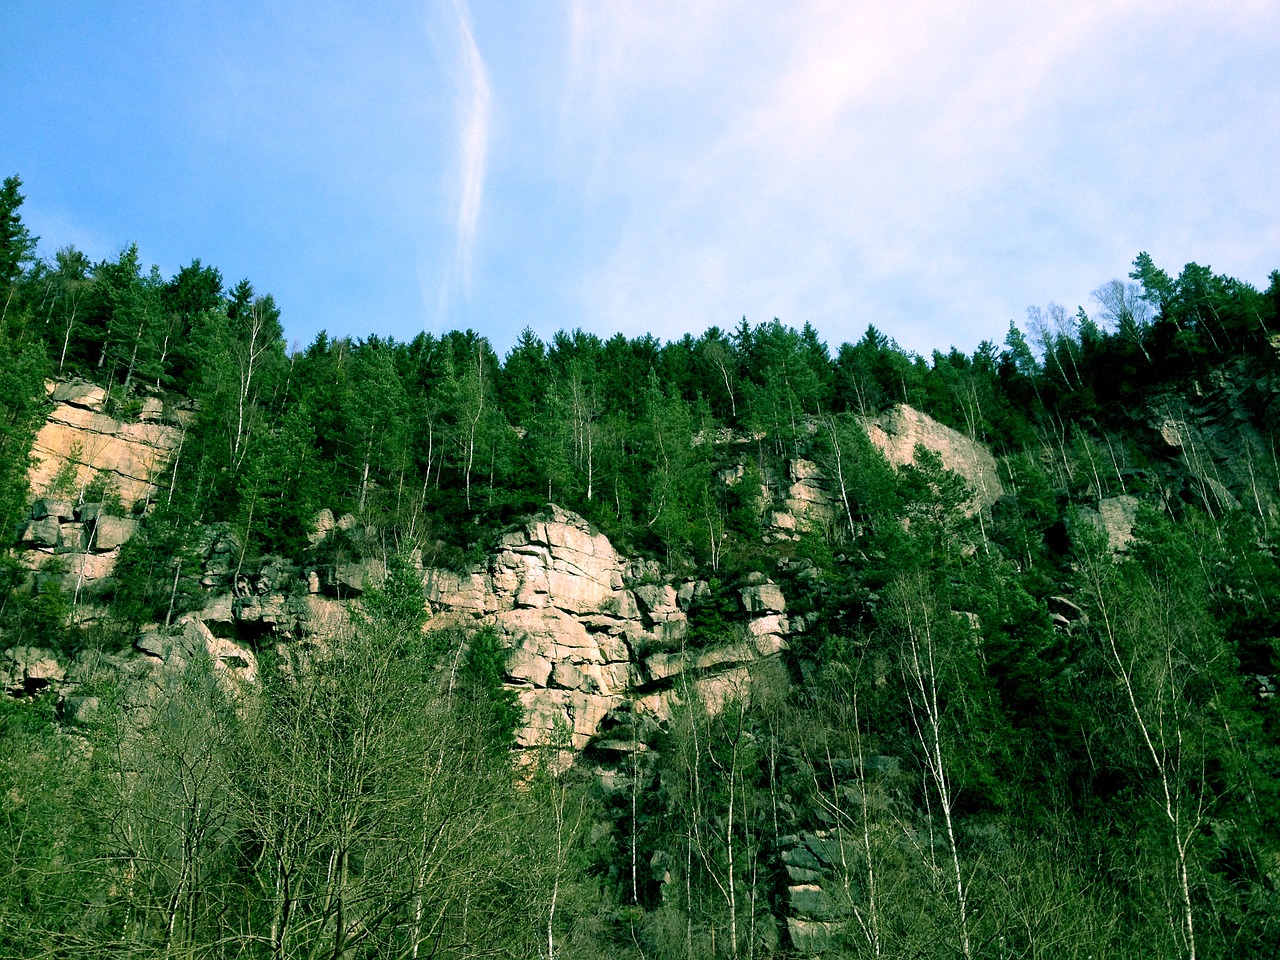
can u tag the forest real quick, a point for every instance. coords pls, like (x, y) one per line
(997, 733)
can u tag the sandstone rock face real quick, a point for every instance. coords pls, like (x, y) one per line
(810, 498)
(809, 503)
(588, 633)
(78, 444)
(77, 439)
(554, 592)
(235, 663)
(586, 639)
(897, 432)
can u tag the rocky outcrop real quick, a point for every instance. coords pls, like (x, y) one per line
(590, 633)
(81, 454)
(826, 866)
(27, 670)
(809, 503)
(236, 663)
(898, 431)
(810, 500)
(85, 540)
(79, 441)
(1221, 437)
(1115, 518)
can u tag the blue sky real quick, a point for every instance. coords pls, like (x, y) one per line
(651, 166)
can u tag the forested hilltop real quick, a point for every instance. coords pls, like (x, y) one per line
(728, 646)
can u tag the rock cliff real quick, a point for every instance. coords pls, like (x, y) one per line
(596, 642)
(93, 475)
(591, 633)
(1219, 440)
(898, 431)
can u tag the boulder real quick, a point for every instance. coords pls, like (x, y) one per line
(88, 512)
(717, 691)
(219, 610)
(810, 900)
(763, 598)
(659, 602)
(90, 566)
(49, 507)
(28, 670)
(273, 610)
(770, 644)
(1118, 515)
(555, 591)
(1068, 610)
(811, 936)
(780, 525)
(771, 624)
(79, 393)
(614, 649)
(320, 526)
(566, 675)
(151, 411)
(236, 661)
(153, 645)
(691, 591)
(664, 666)
(323, 617)
(805, 470)
(465, 593)
(111, 532)
(81, 709)
(565, 719)
(550, 633)
(71, 537)
(358, 576)
(524, 664)
(40, 533)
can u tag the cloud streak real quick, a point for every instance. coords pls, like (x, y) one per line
(473, 112)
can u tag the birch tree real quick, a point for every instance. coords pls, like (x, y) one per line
(924, 662)
(1162, 653)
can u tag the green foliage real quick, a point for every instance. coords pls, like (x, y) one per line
(157, 574)
(481, 679)
(16, 243)
(103, 490)
(46, 827)
(713, 616)
(23, 367)
(1017, 739)
(398, 603)
(34, 607)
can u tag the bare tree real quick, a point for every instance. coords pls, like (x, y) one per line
(1124, 306)
(922, 664)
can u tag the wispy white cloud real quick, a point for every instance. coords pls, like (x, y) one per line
(473, 118)
(930, 169)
